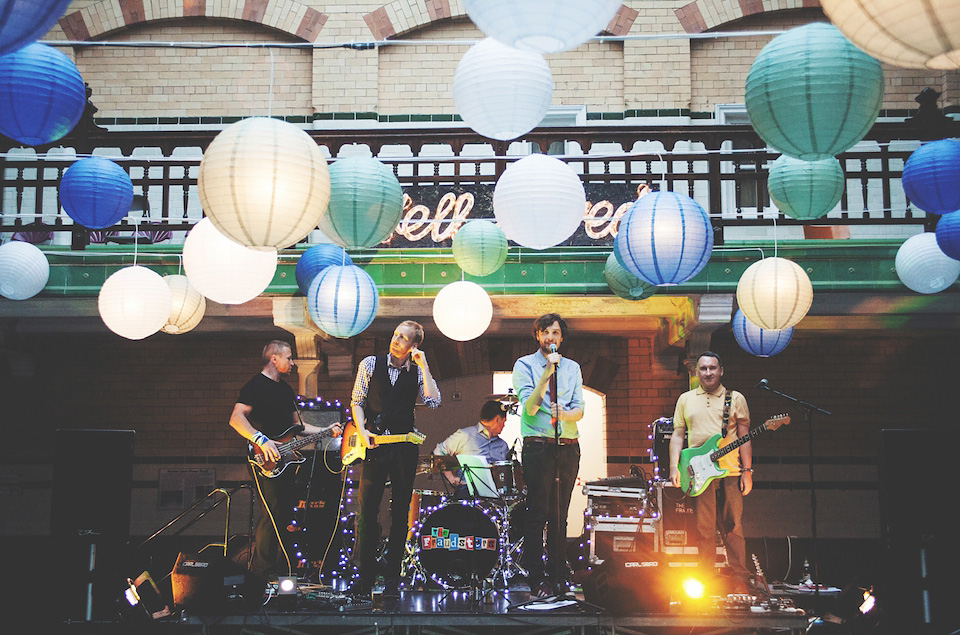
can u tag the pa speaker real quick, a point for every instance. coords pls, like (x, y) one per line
(629, 584)
(211, 582)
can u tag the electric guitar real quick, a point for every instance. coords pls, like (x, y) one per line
(287, 443)
(353, 450)
(700, 466)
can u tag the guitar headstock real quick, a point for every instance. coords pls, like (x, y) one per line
(416, 437)
(776, 421)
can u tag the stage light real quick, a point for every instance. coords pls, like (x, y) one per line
(286, 593)
(142, 599)
(693, 588)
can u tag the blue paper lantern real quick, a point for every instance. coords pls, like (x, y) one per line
(41, 95)
(931, 177)
(805, 189)
(366, 203)
(96, 192)
(343, 300)
(665, 238)
(948, 234)
(23, 21)
(758, 341)
(315, 260)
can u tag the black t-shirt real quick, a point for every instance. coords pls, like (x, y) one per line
(273, 404)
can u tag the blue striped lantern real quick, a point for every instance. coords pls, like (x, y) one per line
(366, 203)
(805, 189)
(315, 260)
(758, 341)
(623, 283)
(343, 300)
(96, 192)
(480, 248)
(948, 234)
(931, 177)
(23, 21)
(665, 238)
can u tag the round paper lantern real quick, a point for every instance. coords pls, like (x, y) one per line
(366, 203)
(758, 341)
(923, 267)
(931, 177)
(462, 310)
(910, 34)
(134, 302)
(539, 201)
(545, 26)
(805, 189)
(43, 95)
(811, 94)
(665, 238)
(187, 305)
(223, 270)
(343, 300)
(623, 283)
(948, 234)
(501, 92)
(23, 21)
(96, 192)
(774, 293)
(24, 270)
(480, 248)
(263, 183)
(315, 260)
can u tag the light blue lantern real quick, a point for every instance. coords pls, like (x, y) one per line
(665, 238)
(623, 283)
(343, 300)
(366, 203)
(948, 234)
(96, 192)
(480, 248)
(23, 21)
(931, 177)
(41, 95)
(315, 260)
(805, 189)
(758, 341)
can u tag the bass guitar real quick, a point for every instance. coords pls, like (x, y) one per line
(353, 450)
(287, 444)
(701, 465)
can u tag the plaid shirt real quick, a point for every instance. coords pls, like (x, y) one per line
(361, 387)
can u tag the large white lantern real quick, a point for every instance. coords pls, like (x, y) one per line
(134, 302)
(923, 267)
(187, 305)
(24, 270)
(225, 271)
(462, 310)
(774, 293)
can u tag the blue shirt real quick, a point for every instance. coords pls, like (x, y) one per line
(474, 440)
(526, 373)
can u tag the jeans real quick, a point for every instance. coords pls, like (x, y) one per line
(278, 494)
(731, 529)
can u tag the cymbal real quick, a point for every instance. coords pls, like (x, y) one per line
(507, 398)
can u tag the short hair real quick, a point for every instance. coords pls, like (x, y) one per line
(273, 348)
(544, 321)
(417, 330)
(491, 409)
(710, 354)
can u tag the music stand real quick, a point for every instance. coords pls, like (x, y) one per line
(479, 478)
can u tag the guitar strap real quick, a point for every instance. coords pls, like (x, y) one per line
(727, 397)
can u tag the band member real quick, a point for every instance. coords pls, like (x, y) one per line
(701, 413)
(543, 458)
(481, 439)
(384, 395)
(265, 410)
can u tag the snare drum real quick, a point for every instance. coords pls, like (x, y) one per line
(458, 543)
(508, 477)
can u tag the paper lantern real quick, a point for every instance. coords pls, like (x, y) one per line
(43, 95)
(539, 201)
(366, 203)
(923, 267)
(23, 21)
(931, 177)
(948, 234)
(223, 270)
(343, 300)
(811, 94)
(24, 270)
(665, 238)
(774, 293)
(263, 183)
(910, 34)
(480, 248)
(134, 302)
(462, 310)
(545, 26)
(805, 189)
(315, 260)
(758, 341)
(501, 92)
(623, 283)
(187, 306)
(96, 192)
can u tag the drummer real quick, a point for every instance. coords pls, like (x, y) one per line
(482, 438)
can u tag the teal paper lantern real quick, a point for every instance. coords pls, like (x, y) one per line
(758, 341)
(623, 283)
(366, 203)
(805, 189)
(23, 21)
(96, 192)
(315, 260)
(480, 248)
(931, 177)
(343, 300)
(948, 234)
(811, 94)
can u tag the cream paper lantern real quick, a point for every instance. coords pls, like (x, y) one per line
(187, 306)
(774, 293)
(134, 302)
(462, 310)
(222, 270)
(923, 267)
(24, 270)
(264, 183)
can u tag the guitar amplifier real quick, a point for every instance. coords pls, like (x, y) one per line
(660, 450)
(676, 535)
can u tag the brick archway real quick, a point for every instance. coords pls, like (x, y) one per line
(705, 15)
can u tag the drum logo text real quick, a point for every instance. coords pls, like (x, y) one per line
(441, 538)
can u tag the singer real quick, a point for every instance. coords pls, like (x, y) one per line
(550, 389)
(482, 439)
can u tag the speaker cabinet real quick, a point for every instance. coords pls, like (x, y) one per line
(634, 583)
(209, 582)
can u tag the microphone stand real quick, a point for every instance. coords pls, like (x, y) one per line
(558, 566)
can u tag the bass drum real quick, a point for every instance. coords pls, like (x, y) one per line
(459, 543)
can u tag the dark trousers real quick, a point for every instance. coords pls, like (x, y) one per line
(727, 490)
(278, 494)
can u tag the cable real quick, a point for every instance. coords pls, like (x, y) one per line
(273, 521)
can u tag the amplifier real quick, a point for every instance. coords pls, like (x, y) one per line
(676, 534)
(609, 535)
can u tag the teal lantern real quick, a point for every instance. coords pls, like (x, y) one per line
(366, 203)
(480, 248)
(343, 300)
(811, 94)
(623, 283)
(96, 192)
(805, 189)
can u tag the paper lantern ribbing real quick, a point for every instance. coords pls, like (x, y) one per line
(805, 189)
(24, 270)
(923, 267)
(500, 92)
(222, 270)
(343, 300)
(264, 183)
(23, 21)
(134, 302)
(623, 283)
(757, 341)
(904, 33)
(187, 306)
(774, 293)
(545, 26)
(462, 310)
(480, 248)
(315, 260)
(811, 94)
(948, 234)
(539, 201)
(366, 203)
(43, 95)
(931, 177)
(96, 192)
(665, 238)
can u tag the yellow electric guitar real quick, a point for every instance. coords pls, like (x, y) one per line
(352, 449)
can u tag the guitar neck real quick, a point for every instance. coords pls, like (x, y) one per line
(299, 442)
(391, 438)
(747, 438)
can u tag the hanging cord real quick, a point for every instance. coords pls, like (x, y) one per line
(273, 521)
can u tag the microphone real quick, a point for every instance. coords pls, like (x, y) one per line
(761, 384)
(553, 348)
(513, 450)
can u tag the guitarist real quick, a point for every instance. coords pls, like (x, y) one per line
(701, 413)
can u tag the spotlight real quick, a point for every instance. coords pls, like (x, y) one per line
(693, 588)
(142, 599)
(286, 593)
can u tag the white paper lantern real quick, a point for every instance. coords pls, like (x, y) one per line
(24, 270)
(134, 302)
(462, 310)
(501, 92)
(222, 270)
(923, 267)
(774, 293)
(539, 201)
(187, 305)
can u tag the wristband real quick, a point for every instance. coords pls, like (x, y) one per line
(259, 439)
(747, 469)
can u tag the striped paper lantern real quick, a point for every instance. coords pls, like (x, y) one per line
(480, 248)
(343, 300)
(931, 177)
(315, 260)
(923, 267)
(757, 341)
(948, 234)
(805, 189)
(187, 306)
(623, 283)
(774, 293)
(96, 192)
(366, 203)
(24, 270)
